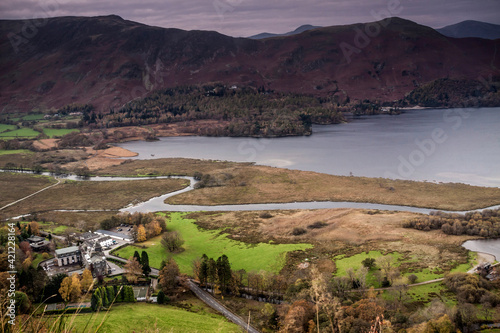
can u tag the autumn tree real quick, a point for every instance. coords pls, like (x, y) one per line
(141, 233)
(70, 289)
(76, 287)
(35, 228)
(168, 276)
(133, 270)
(297, 317)
(87, 280)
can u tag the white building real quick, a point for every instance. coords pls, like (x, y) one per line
(68, 256)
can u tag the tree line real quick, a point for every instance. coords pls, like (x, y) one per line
(485, 223)
(248, 111)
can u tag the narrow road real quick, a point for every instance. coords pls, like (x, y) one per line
(216, 305)
(29, 196)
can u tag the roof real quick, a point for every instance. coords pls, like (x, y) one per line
(103, 239)
(88, 235)
(67, 250)
(35, 239)
(113, 234)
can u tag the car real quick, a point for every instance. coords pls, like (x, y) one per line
(119, 229)
(128, 229)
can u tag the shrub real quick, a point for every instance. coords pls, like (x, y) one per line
(265, 215)
(317, 225)
(298, 231)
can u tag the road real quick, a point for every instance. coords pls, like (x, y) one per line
(32, 194)
(214, 304)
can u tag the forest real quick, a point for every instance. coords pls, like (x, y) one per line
(243, 111)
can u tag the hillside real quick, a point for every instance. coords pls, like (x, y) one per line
(471, 29)
(299, 30)
(107, 61)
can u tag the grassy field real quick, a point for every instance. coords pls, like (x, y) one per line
(142, 317)
(258, 184)
(5, 127)
(245, 183)
(404, 264)
(19, 133)
(56, 132)
(77, 221)
(94, 195)
(214, 243)
(34, 116)
(347, 237)
(20, 185)
(16, 151)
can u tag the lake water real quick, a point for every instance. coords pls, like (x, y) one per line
(490, 246)
(452, 145)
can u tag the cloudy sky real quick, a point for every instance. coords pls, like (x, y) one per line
(249, 17)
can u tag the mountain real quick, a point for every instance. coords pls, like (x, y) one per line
(471, 29)
(108, 61)
(299, 30)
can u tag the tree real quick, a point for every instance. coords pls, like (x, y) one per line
(223, 272)
(168, 276)
(35, 227)
(76, 287)
(145, 263)
(87, 280)
(133, 270)
(161, 297)
(141, 233)
(412, 278)
(65, 289)
(172, 241)
(369, 263)
(137, 256)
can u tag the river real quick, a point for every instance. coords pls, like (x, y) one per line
(439, 145)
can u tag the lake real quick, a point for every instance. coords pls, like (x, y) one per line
(439, 145)
(490, 246)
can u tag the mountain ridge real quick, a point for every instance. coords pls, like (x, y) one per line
(471, 28)
(107, 61)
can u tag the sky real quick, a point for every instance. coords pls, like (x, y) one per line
(243, 18)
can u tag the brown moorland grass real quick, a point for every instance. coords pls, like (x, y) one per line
(170, 166)
(345, 231)
(260, 184)
(111, 195)
(14, 186)
(80, 221)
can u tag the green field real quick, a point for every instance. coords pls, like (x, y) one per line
(36, 116)
(5, 127)
(17, 151)
(343, 263)
(19, 133)
(57, 132)
(143, 317)
(213, 243)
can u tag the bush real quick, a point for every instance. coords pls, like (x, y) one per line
(265, 215)
(317, 225)
(298, 231)
(412, 278)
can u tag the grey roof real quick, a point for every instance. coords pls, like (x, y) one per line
(35, 239)
(103, 239)
(113, 234)
(88, 235)
(67, 250)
